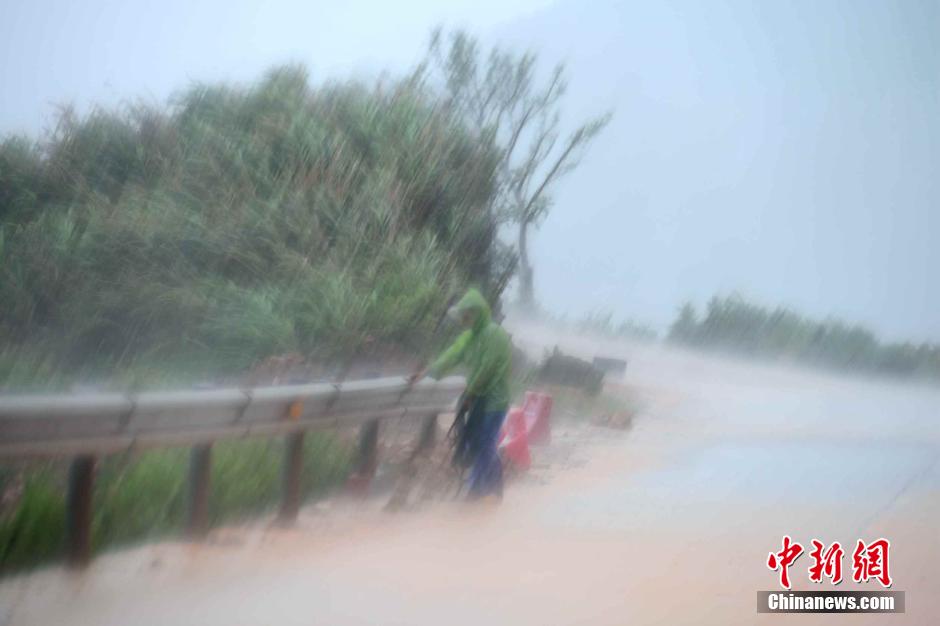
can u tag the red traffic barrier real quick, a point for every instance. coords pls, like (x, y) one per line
(515, 440)
(524, 425)
(538, 411)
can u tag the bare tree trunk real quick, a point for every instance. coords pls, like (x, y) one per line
(526, 279)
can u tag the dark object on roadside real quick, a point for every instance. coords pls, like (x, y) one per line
(616, 367)
(523, 368)
(563, 369)
(464, 433)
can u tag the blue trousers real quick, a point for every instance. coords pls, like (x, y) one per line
(486, 475)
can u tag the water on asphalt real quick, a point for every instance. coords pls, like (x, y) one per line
(668, 523)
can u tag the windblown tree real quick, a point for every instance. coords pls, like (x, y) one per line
(504, 98)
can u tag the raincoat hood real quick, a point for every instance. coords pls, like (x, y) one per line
(474, 301)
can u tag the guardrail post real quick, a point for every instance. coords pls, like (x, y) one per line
(428, 434)
(368, 449)
(79, 510)
(367, 459)
(200, 468)
(293, 470)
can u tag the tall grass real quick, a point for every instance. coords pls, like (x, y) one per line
(144, 244)
(732, 323)
(143, 496)
(603, 324)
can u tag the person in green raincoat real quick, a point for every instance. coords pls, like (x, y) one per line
(485, 351)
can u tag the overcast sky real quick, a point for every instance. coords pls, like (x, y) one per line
(786, 150)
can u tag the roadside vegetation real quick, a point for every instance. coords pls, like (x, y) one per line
(143, 496)
(604, 324)
(145, 247)
(733, 324)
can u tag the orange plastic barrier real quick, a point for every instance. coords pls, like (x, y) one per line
(538, 411)
(515, 439)
(524, 425)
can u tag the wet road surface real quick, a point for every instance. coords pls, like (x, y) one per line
(668, 523)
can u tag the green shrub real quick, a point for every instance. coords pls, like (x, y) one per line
(35, 530)
(732, 323)
(140, 496)
(142, 244)
(143, 496)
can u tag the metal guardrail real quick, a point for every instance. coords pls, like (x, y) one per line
(60, 425)
(85, 426)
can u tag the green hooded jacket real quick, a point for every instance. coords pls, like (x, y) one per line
(484, 350)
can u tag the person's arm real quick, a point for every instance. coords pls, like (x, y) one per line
(451, 357)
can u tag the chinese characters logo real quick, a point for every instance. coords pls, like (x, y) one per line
(869, 561)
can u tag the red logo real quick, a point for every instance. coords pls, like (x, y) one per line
(783, 559)
(868, 561)
(871, 562)
(828, 563)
